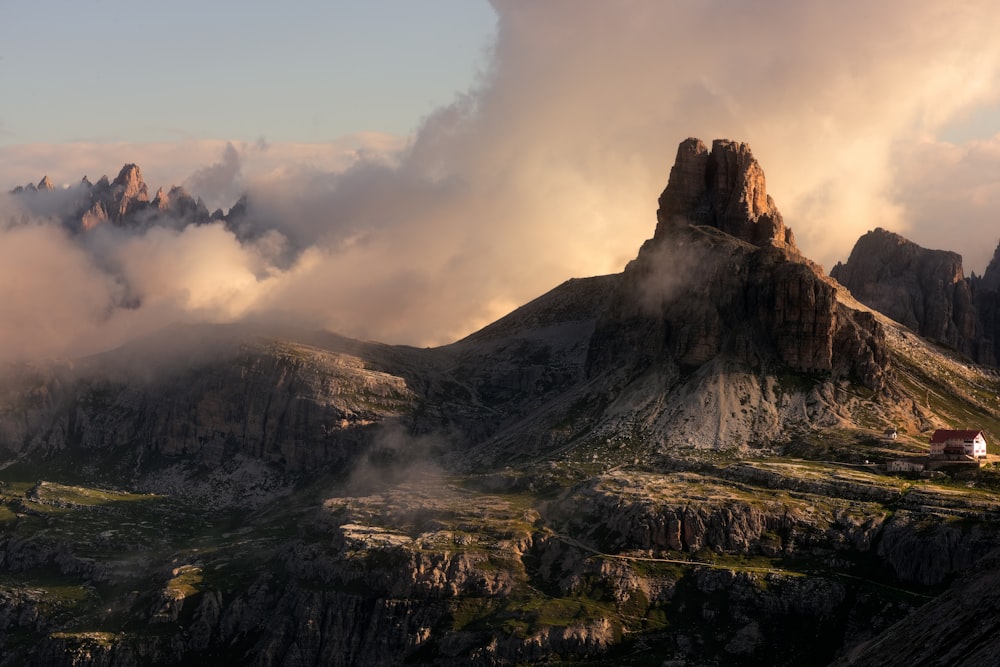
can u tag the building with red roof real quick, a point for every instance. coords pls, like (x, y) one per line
(946, 443)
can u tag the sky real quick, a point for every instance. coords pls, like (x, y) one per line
(418, 169)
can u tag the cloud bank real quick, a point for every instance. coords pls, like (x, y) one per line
(549, 168)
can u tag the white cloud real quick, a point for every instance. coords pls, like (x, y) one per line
(952, 197)
(551, 167)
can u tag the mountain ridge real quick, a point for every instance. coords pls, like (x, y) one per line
(125, 202)
(671, 463)
(927, 291)
(698, 304)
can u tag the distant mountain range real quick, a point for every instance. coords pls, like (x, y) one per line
(125, 201)
(671, 465)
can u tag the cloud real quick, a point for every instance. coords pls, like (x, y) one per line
(174, 163)
(52, 292)
(550, 166)
(952, 197)
(220, 181)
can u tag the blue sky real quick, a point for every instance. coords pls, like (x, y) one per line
(109, 70)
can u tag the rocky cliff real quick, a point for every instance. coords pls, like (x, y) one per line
(718, 304)
(925, 290)
(958, 628)
(595, 477)
(747, 292)
(207, 395)
(723, 188)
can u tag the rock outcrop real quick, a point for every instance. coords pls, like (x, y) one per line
(291, 405)
(958, 628)
(725, 189)
(125, 202)
(127, 194)
(181, 205)
(695, 294)
(923, 289)
(927, 291)
(594, 476)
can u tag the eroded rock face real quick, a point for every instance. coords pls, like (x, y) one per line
(293, 405)
(938, 633)
(914, 286)
(724, 188)
(179, 203)
(128, 192)
(926, 290)
(656, 514)
(744, 292)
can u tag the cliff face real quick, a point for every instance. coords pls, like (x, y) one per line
(959, 627)
(594, 476)
(293, 405)
(925, 290)
(696, 295)
(723, 188)
(721, 297)
(758, 300)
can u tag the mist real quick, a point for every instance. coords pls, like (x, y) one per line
(548, 168)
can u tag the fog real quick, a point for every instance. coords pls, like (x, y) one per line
(548, 168)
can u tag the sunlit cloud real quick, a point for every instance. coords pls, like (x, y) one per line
(548, 168)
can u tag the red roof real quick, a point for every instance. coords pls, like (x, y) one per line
(944, 435)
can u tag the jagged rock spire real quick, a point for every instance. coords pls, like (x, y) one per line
(161, 201)
(723, 188)
(722, 282)
(991, 279)
(130, 178)
(128, 193)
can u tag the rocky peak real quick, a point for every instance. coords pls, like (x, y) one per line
(722, 282)
(122, 200)
(186, 207)
(178, 192)
(161, 201)
(991, 279)
(130, 179)
(723, 188)
(128, 193)
(924, 289)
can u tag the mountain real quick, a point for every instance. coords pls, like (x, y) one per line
(927, 291)
(676, 464)
(124, 202)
